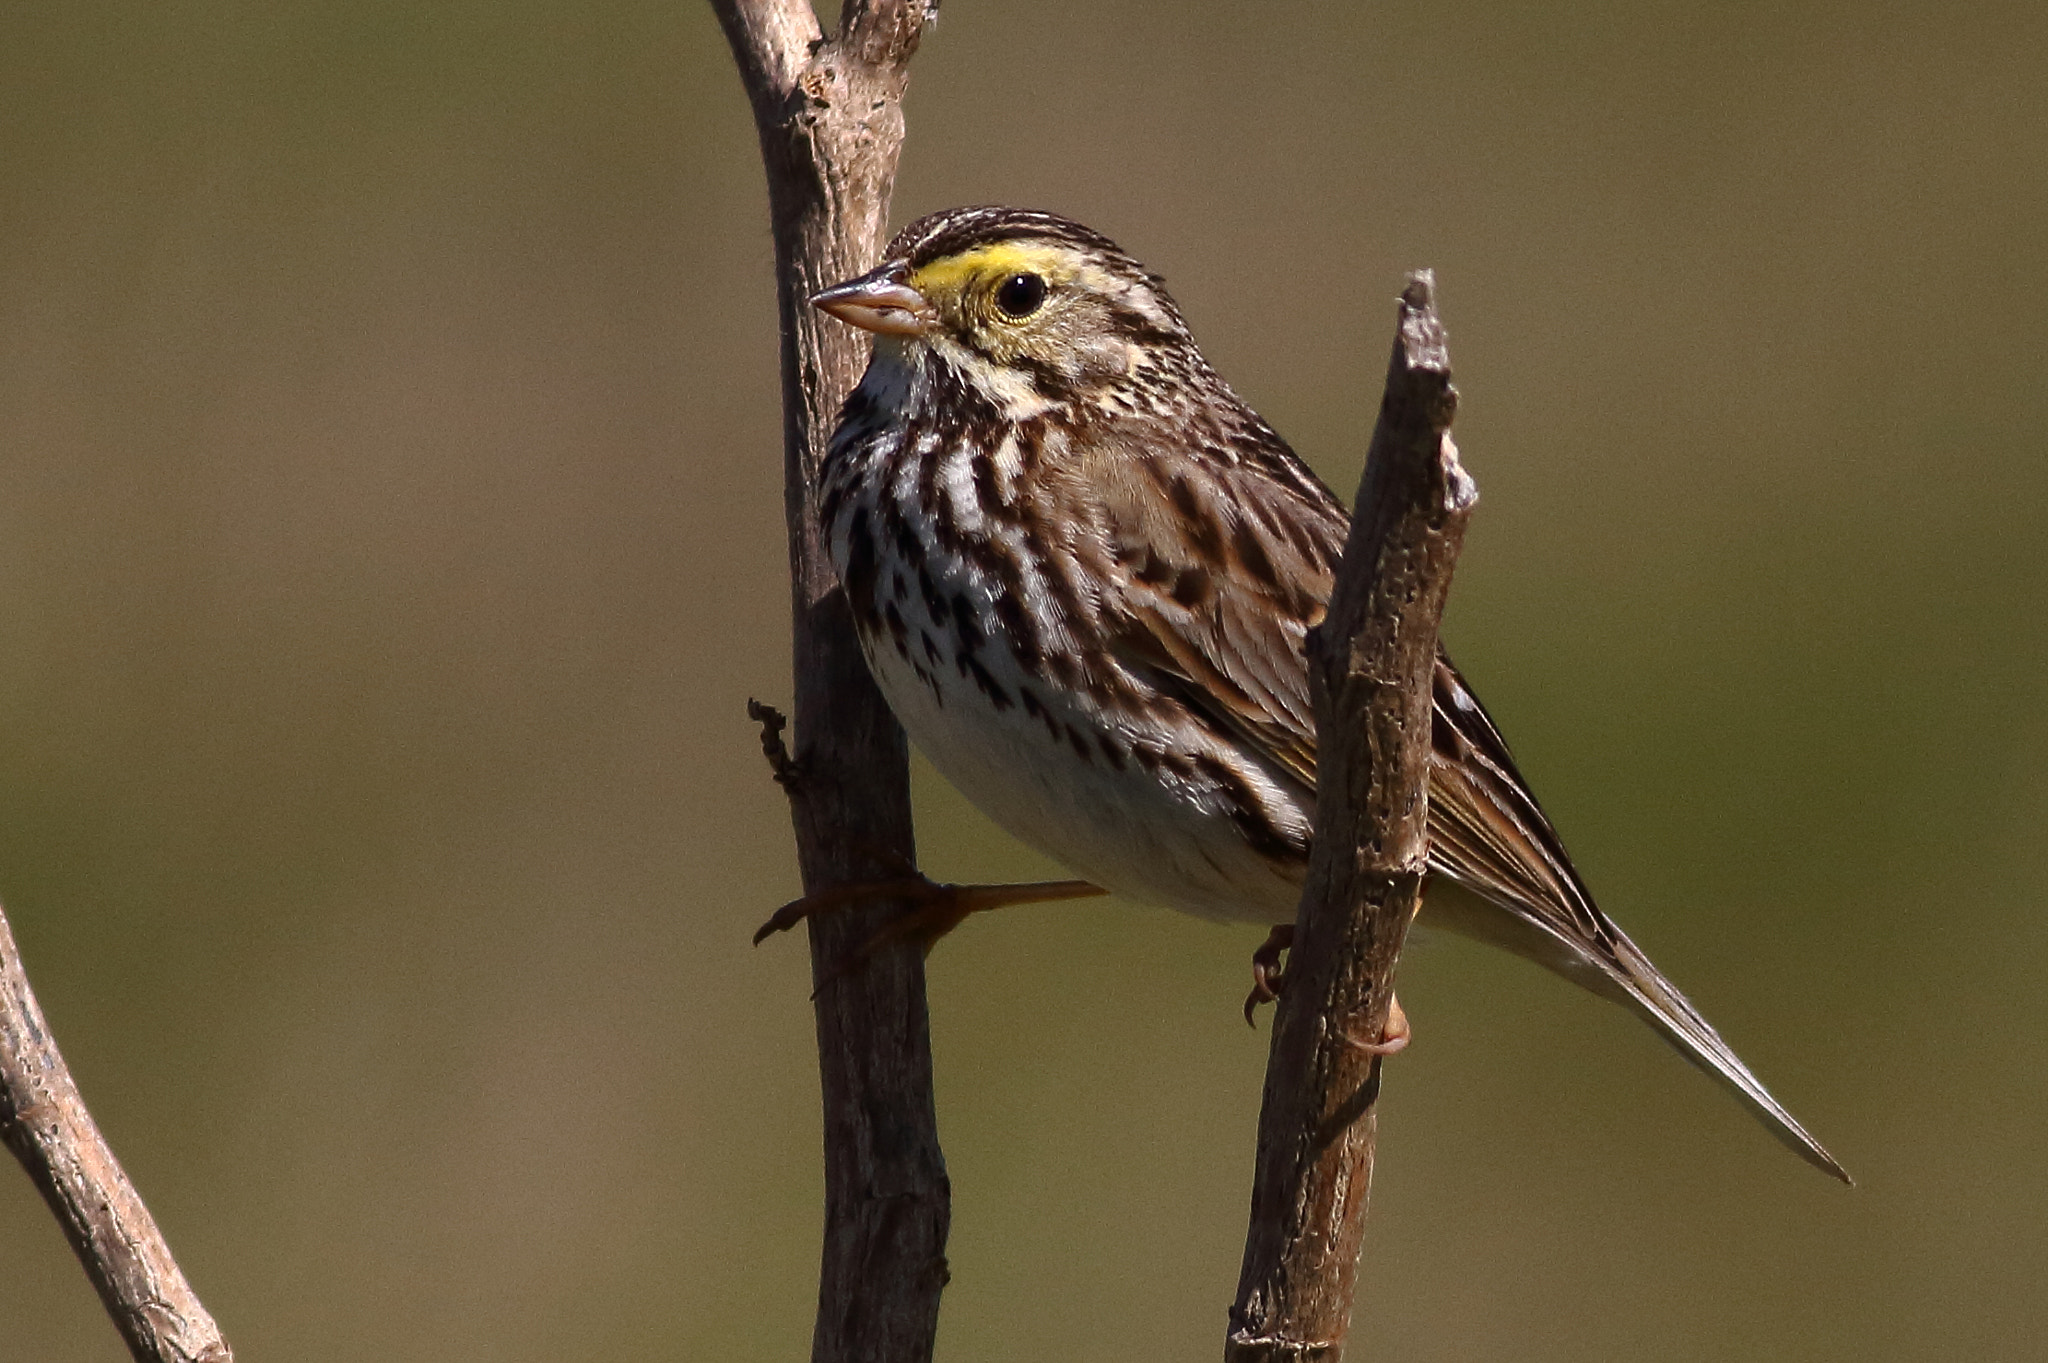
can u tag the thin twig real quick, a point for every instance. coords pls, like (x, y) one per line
(45, 1123)
(1370, 665)
(829, 115)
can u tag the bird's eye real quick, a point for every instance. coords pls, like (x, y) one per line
(1021, 294)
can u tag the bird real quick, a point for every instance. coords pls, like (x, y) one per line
(1083, 572)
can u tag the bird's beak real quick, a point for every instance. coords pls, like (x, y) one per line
(879, 301)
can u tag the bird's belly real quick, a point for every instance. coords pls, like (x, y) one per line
(1043, 776)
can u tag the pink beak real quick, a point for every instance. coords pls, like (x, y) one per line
(879, 301)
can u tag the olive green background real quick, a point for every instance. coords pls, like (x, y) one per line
(390, 537)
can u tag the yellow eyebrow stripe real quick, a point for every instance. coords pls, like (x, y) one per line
(951, 274)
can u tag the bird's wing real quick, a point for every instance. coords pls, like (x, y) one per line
(1214, 610)
(1218, 584)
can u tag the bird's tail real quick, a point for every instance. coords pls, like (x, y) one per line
(1488, 836)
(1628, 977)
(1636, 982)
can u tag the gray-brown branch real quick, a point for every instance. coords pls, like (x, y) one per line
(1370, 665)
(829, 114)
(45, 1123)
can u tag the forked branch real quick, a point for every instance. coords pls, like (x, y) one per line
(45, 1123)
(829, 114)
(1370, 668)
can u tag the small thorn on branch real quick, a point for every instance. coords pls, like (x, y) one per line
(781, 765)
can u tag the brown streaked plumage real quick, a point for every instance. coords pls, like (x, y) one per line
(1084, 572)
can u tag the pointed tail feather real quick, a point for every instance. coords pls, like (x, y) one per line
(1628, 978)
(1643, 987)
(1488, 836)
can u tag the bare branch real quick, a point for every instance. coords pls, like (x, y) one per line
(885, 33)
(829, 114)
(45, 1123)
(1371, 663)
(770, 40)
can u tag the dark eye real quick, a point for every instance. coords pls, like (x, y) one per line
(1021, 294)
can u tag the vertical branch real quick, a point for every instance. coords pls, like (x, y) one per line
(829, 114)
(1370, 666)
(45, 1123)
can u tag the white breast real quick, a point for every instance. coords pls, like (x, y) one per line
(1038, 762)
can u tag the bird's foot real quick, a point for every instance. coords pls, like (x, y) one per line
(1268, 979)
(1394, 1037)
(933, 909)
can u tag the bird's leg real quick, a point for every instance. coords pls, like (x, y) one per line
(1268, 979)
(935, 909)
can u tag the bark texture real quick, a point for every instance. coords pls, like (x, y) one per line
(829, 114)
(1370, 664)
(45, 1123)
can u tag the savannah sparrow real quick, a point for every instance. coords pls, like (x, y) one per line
(1083, 572)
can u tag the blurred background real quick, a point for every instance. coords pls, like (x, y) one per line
(391, 536)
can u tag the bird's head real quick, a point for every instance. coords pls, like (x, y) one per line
(1028, 307)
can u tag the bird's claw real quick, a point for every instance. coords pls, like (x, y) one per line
(933, 908)
(1394, 1037)
(839, 896)
(1268, 978)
